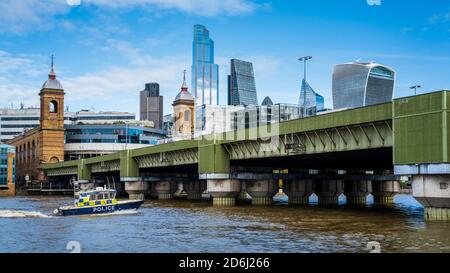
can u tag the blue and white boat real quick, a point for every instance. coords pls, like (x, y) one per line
(98, 201)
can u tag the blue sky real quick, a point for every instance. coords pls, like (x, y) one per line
(106, 50)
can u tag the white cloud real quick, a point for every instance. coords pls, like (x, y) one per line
(113, 88)
(197, 7)
(18, 16)
(439, 18)
(19, 76)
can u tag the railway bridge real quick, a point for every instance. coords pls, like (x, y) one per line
(355, 152)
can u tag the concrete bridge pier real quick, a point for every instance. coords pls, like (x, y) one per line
(224, 191)
(262, 191)
(298, 191)
(135, 187)
(194, 189)
(384, 191)
(356, 192)
(151, 189)
(329, 191)
(243, 194)
(433, 192)
(179, 189)
(165, 189)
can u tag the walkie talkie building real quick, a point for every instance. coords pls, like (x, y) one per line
(359, 84)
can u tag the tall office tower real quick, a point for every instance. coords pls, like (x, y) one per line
(267, 101)
(241, 84)
(205, 74)
(359, 84)
(151, 105)
(314, 102)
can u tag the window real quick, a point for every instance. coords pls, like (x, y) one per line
(53, 106)
(187, 115)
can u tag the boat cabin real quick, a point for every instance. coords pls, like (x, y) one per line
(99, 196)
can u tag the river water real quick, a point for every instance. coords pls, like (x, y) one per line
(26, 225)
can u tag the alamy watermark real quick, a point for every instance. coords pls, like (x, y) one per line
(73, 247)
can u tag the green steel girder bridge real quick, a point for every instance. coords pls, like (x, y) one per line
(355, 152)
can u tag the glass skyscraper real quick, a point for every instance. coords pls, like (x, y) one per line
(314, 102)
(7, 169)
(360, 84)
(241, 84)
(205, 74)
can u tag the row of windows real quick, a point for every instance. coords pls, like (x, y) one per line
(106, 118)
(18, 125)
(4, 171)
(10, 133)
(19, 118)
(4, 179)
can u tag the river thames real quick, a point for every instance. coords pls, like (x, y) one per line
(26, 225)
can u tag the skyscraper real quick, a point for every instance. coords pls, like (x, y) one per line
(241, 84)
(314, 102)
(151, 105)
(205, 74)
(359, 84)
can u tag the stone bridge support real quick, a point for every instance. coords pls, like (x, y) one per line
(298, 191)
(194, 189)
(329, 191)
(433, 192)
(224, 191)
(136, 188)
(243, 194)
(262, 191)
(165, 189)
(384, 191)
(356, 192)
(179, 186)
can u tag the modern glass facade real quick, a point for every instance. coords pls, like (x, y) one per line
(205, 74)
(7, 164)
(314, 102)
(241, 84)
(14, 122)
(255, 116)
(359, 84)
(112, 134)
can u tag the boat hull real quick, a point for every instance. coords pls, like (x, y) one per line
(101, 209)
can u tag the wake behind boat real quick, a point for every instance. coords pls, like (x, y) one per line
(98, 201)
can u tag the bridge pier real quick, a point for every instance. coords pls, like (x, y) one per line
(224, 191)
(194, 189)
(298, 191)
(135, 187)
(165, 189)
(262, 191)
(384, 192)
(243, 194)
(356, 192)
(433, 192)
(179, 189)
(329, 191)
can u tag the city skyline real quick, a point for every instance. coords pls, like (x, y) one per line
(241, 84)
(114, 56)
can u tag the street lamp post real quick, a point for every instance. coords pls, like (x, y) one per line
(304, 60)
(415, 87)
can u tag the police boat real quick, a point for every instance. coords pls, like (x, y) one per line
(98, 201)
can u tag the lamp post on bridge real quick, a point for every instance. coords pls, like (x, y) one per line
(304, 60)
(415, 87)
